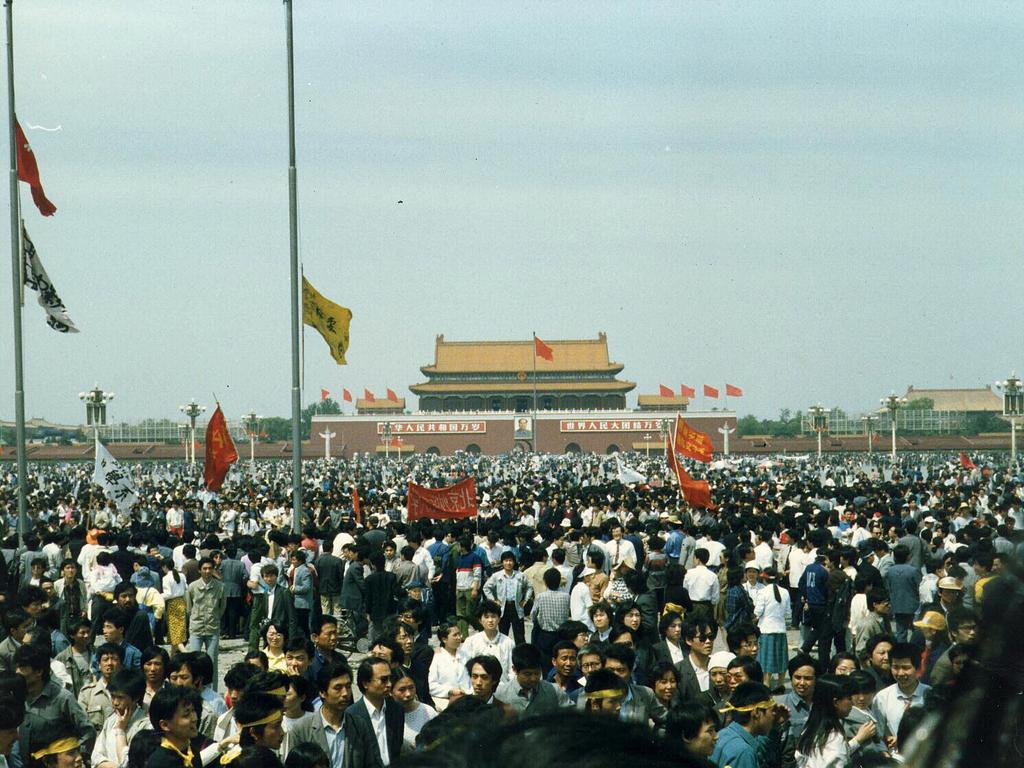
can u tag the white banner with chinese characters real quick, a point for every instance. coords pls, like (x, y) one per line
(115, 481)
(434, 427)
(610, 425)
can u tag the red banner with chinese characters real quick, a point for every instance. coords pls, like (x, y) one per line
(610, 425)
(692, 443)
(456, 502)
(696, 492)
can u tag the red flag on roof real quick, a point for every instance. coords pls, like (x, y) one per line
(368, 395)
(710, 391)
(392, 396)
(543, 350)
(665, 391)
(686, 391)
(346, 395)
(324, 394)
(28, 171)
(965, 461)
(731, 391)
(220, 451)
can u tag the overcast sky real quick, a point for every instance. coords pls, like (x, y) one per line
(815, 203)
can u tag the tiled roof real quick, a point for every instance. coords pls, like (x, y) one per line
(982, 399)
(654, 401)
(380, 404)
(515, 356)
(613, 385)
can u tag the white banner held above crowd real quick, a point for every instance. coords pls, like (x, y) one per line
(115, 482)
(35, 277)
(626, 474)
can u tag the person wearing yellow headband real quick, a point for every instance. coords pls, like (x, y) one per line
(753, 715)
(57, 751)
(260, 724)
(604, 693)
(174, 714)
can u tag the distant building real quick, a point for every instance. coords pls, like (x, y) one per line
(492, 376)
(380, 406)
(981, 400)
(674, 404)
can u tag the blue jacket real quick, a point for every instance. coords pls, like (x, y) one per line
(736, 748)
(903, 583)
(814, 585)
(302, 592)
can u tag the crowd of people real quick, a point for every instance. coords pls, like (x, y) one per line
(821, 614)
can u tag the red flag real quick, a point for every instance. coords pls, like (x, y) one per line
(731, 391)
(346, 395)
(691, 442)
(220, 451)
(368, 396)
(323, 394)
(696, 492)
(28, 171)
(455, 502)
(665, 391)
(965, 462)
(392, 396)
(355, 505)
(710, 391)
(686, 391)
(543, 350)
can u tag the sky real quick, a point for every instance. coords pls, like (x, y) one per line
(816, 203)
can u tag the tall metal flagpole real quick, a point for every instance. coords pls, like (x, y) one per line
(19, 373)
(293, 235)
(533, 432)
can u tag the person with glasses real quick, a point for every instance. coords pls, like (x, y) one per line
(694, 675)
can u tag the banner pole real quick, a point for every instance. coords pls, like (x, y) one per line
(16, 280)
(293, 250)
(533, 432)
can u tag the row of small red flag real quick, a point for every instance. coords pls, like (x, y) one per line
(709, 391)
(368, 396)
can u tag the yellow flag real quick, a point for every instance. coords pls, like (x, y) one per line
(330, 319)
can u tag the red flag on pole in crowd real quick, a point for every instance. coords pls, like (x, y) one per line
(686, 391)
(355, 506)
(346, 395)
(368, 395)
(543, 350)
(710, 391)
(665, 391)
(965, 462)
(691, 442)
(28, 171)
(392, 396)
(456, 502)
(324, 394)
(220, 451)
(731, 391)
(696, 492)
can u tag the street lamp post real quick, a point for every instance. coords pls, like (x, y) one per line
(192, 410)
(892, 404)
(869, 421)
(387, 439)
(96, 408)
(647, 443)
(252, 426)
(819, 422)
(1013, 407)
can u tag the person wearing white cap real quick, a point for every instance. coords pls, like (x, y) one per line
(718, 692)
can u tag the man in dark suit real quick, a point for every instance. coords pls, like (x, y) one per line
(274, 604)
(346, 742)
(377, 713)
(698, 637)
(233, 575)
(353, 587)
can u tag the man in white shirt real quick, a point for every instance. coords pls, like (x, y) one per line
(700, 582)
(384, 715)
(489, 641)
(580, 598)
(892, 702)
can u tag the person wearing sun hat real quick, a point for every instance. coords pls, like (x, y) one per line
(932, 626)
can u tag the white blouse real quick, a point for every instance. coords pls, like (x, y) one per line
(835, 754)
(173, 588)
(771, 614)
(446, 674)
